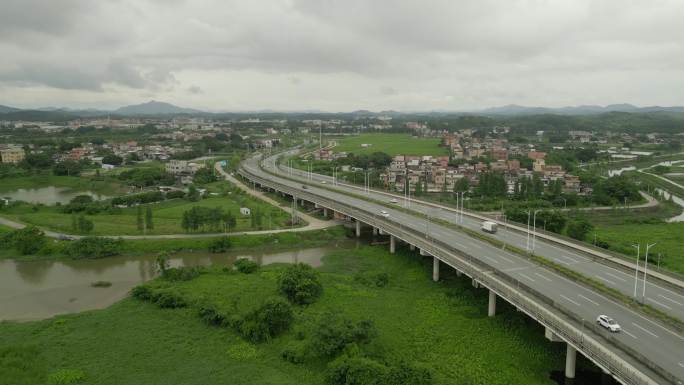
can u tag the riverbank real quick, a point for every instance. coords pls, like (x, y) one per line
(134, 247)
(440, 327)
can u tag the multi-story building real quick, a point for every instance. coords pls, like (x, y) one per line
(12, 155)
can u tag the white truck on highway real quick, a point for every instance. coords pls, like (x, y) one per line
(489, 227)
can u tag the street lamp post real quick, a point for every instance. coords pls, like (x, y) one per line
(527, 240)
(643, 292)
(534, 228)
(636, 271)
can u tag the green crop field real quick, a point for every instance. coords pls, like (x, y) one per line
(392, 144)
(167, 216)
(442, 327)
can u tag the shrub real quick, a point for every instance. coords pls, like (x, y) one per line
(246, 266)
(219, 245)
(334, 332)
(210, 315)
(579, 228)
(381, 279)
(169, 299)
(181, 273)
(405, 374)
(28, 240)
(300, 283)
(94, 247)
(294, 352)
(175, 194)
(356, 370)
(66, 377)
(142, 292)
(270, 319)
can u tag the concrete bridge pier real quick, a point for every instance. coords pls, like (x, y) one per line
(435, 269)
(491, 311)
(412, 247)
(358, 228)
(570, 361)
(375, 231)
(325, 212)
(393, 244)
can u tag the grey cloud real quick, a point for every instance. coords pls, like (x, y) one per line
(195, 90)
(443, 51)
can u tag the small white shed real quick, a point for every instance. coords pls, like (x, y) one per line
(245, 211)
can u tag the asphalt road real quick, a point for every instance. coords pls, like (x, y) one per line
(651, 339)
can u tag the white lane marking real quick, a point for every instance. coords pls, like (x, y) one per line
(594, 302)
(616, 277)
(543, 277)
(604, 279)
(659, 303)
(475, 246)
(670, 299)
(629, 334)
(569, 300)
(491, 259)
(566, 257)
(623, 307)
(645, 330)
(670, 291)
(528, 277)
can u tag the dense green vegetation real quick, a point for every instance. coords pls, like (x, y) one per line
(392, 144)
(410, 330)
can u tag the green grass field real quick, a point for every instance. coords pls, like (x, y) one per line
(622, 228)
(392, 144)
(167, 216)
(439, 326)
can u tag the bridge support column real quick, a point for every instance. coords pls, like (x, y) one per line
(458, 273)
(491, 311)
(325, 212)
(358, 228)
(570, 360)
(375, 231)
(393, 244)
(412, 247)
(435, 269)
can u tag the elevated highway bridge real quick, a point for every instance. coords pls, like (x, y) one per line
(646, 352)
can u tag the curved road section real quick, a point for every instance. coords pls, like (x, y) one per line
(645, 352)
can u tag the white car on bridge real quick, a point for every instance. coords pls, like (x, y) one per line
(384, 213)
(608, 323)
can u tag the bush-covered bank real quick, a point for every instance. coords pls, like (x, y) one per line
(410, 328)
(56, 249)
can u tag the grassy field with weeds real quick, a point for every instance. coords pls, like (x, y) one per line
(166, 216)
(440, 327)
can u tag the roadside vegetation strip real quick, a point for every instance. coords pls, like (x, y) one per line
(566, 272)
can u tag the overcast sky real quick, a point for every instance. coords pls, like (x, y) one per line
(341, 55)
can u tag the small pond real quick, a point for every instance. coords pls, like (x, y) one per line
(48, 195)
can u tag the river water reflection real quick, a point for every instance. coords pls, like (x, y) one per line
(32, 290)
(48, 195)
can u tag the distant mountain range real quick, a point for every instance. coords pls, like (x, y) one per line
(155, 108)
(513, 109)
